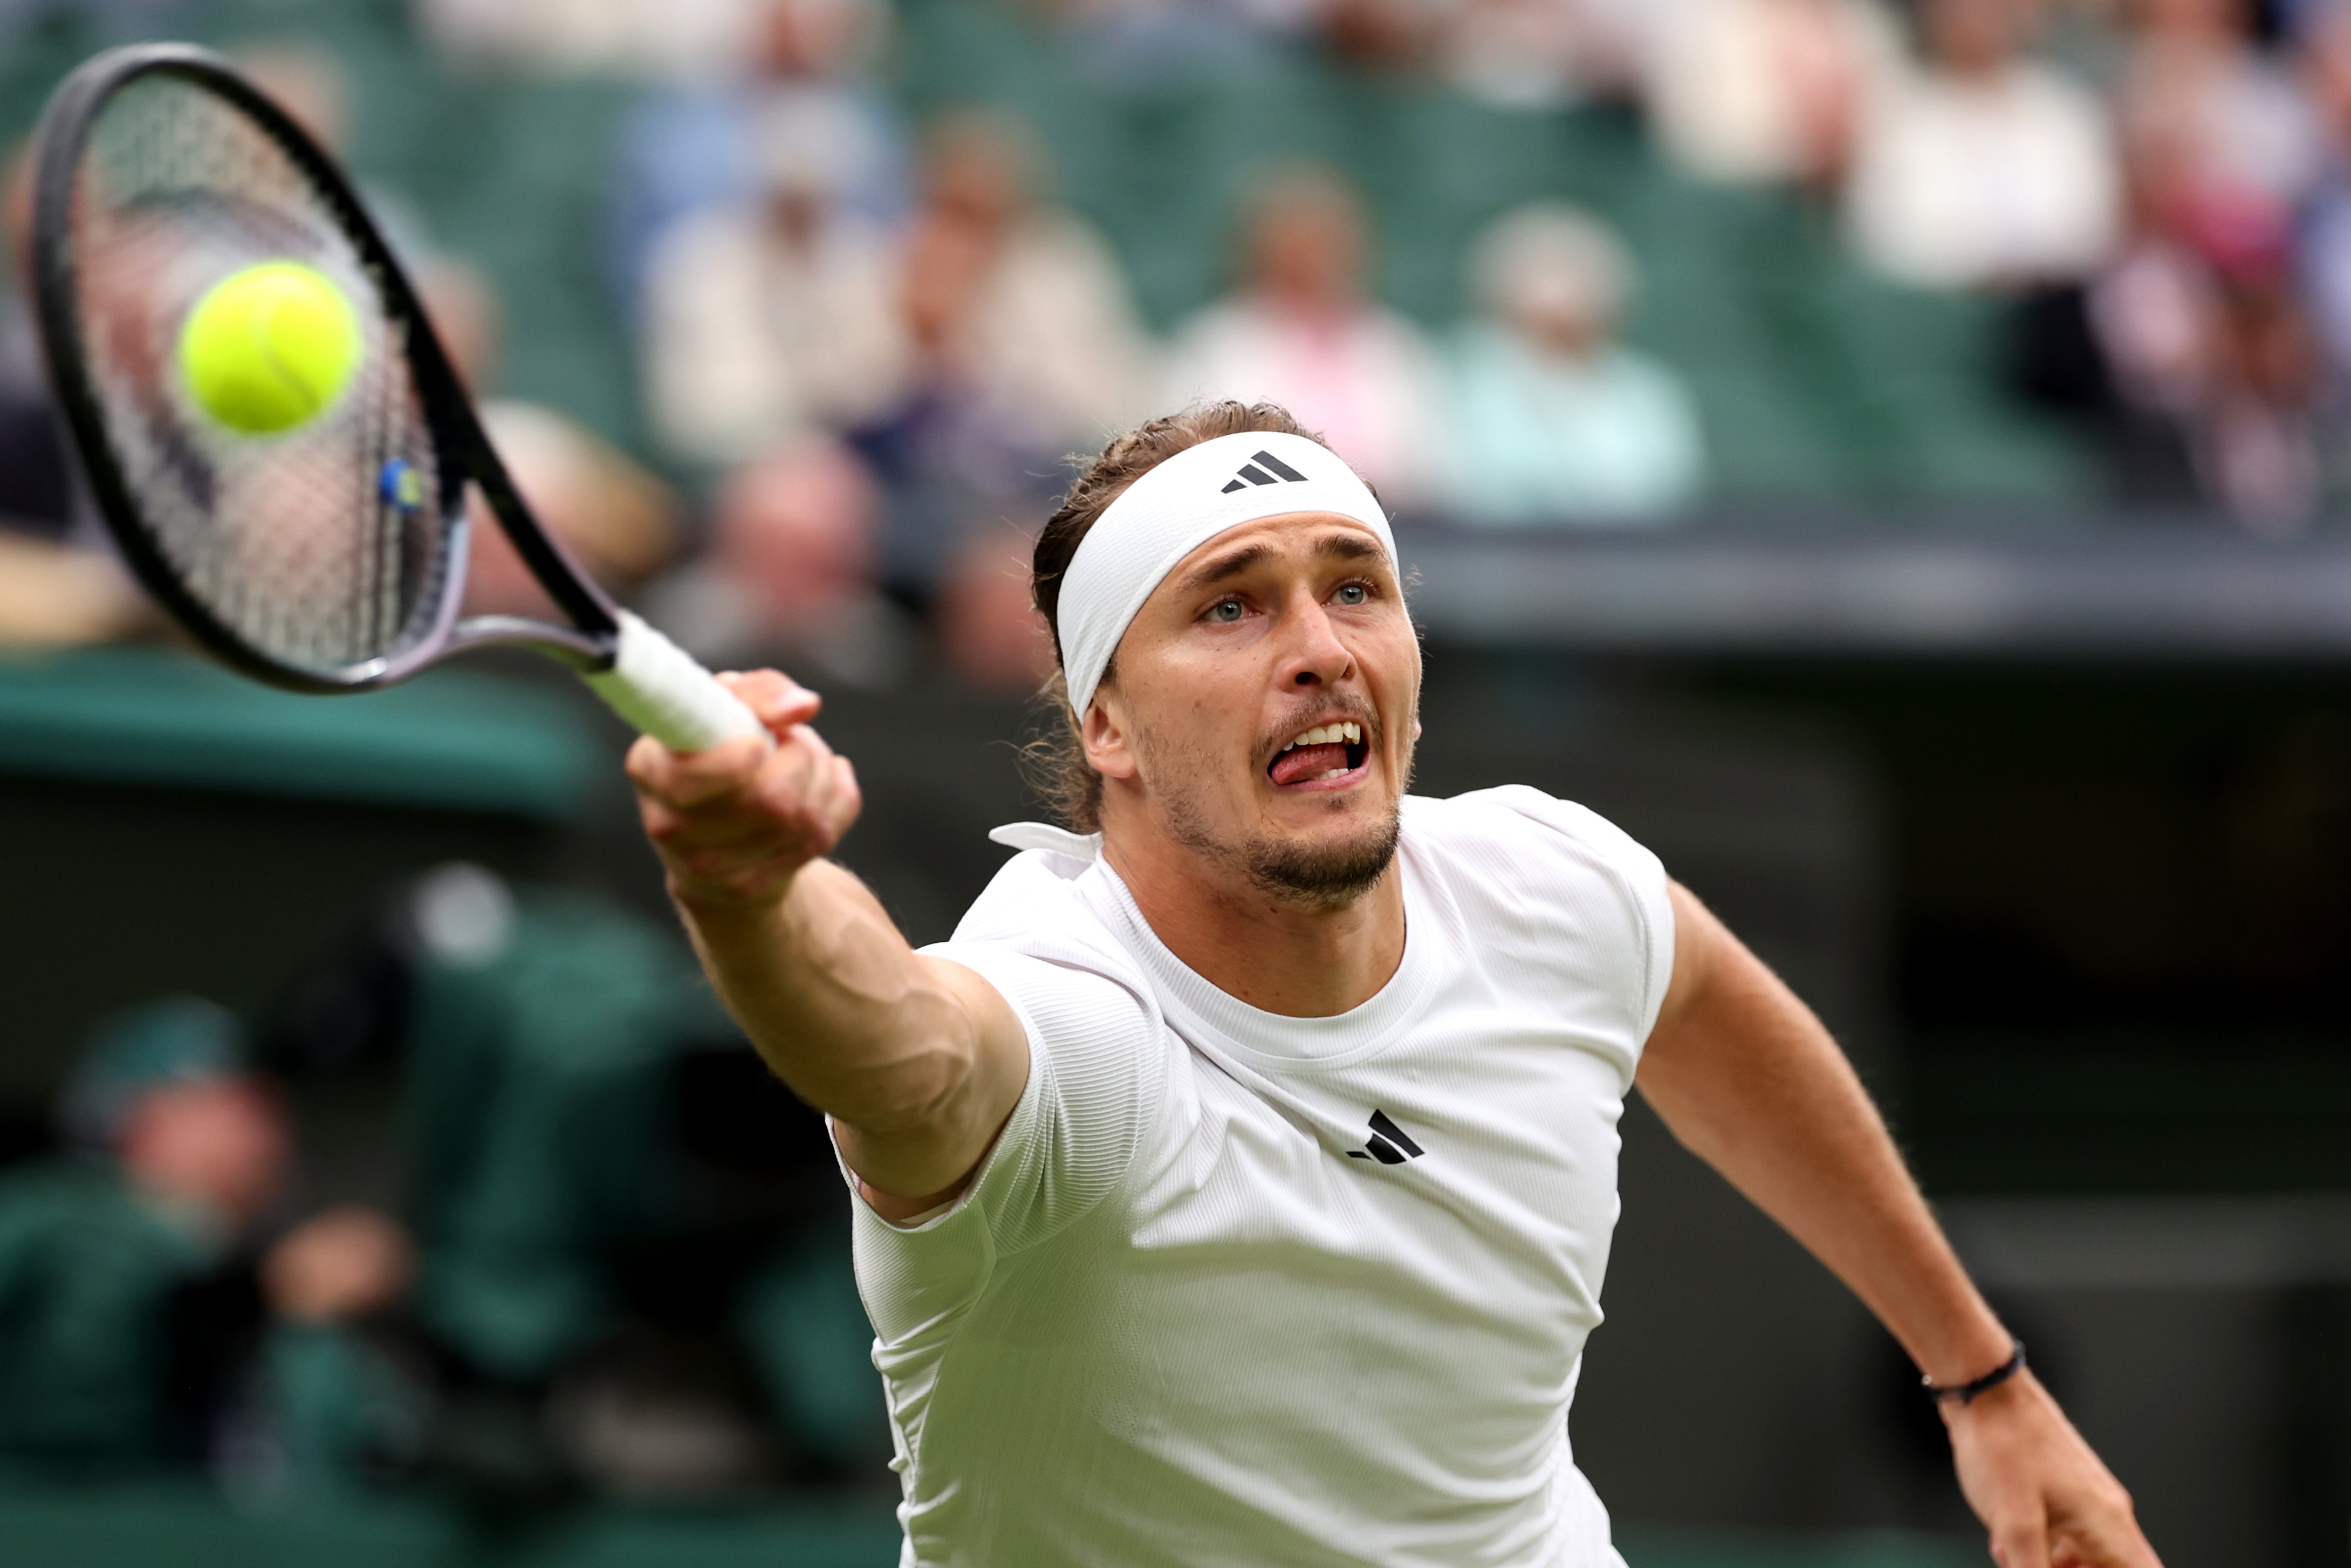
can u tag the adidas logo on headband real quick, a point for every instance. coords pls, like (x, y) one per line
(1254, 471)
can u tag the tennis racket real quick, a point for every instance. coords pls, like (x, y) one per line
(329, 556)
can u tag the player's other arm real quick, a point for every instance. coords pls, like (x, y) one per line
(918, 1060)
(1748, 1079)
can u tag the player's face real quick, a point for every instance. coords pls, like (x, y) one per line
(1263, 707)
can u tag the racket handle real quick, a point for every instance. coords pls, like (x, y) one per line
(657, 685)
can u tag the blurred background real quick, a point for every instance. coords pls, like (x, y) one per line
(1891, 455)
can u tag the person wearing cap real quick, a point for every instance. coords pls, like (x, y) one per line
(176, 1154)
(139, 1321)
(1235, 1186)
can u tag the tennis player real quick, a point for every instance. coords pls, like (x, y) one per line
(1235, 1188)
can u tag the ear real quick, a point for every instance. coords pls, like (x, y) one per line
(1103, 735)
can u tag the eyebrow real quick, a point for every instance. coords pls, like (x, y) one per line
(1220, 569)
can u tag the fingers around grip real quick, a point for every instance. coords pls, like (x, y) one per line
(801, 784)
(775, 698)
(828, 800)
(733, 822)
(687, 779)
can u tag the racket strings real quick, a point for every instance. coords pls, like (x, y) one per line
(324, 546)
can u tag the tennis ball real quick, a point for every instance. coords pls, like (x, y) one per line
(270, 347)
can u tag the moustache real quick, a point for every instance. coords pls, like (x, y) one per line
(1322, 710)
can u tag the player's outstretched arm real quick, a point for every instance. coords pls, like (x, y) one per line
(1748, 1079)
(917, 1061)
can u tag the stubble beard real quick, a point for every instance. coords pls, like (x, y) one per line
(1329, 874)
(1322, 876)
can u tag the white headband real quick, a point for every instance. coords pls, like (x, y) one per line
(1175, 509)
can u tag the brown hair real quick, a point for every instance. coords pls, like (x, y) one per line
(1056, 760)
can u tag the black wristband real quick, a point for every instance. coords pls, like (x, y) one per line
(1967, 1393)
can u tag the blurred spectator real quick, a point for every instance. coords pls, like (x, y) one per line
(1554, 420)
(1769, 90)
(2258, 440)
(121, 1325)
(618, 519)
(1986, 167)
(138, 1326)
(1303, 331)
(789, 576)
(2200, 318)
(795, 108)
(52, 592)
(1025, 343)
(2191, 351)
(675, 39)
(770, 320)
(1020, 304)
(2236, 119)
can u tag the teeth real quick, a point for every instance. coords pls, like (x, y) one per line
(1329, 735)
(1335, 773)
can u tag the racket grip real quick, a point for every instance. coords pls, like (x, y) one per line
(659, 688)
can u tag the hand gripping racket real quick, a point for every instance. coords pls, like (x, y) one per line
(331, 556)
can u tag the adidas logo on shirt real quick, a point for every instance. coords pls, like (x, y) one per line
(1264, 468)
(1388, 1144)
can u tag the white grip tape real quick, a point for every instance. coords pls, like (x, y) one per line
(657, 685)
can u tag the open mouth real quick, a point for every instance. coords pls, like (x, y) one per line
(1325, 752)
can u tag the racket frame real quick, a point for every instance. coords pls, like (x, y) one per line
(589, 644)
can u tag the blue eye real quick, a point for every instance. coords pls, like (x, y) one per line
(1354, 594)
(1225, 609)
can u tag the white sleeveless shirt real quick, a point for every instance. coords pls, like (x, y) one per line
(1235, 1290)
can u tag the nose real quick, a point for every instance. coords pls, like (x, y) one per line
(1317, 657)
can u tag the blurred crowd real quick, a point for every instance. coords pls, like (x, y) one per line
(2155, 188)
(867, 347)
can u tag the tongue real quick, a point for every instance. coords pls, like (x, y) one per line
(1308, 762)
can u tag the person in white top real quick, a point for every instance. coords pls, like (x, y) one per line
(1304, 331)
(1984, 167)
(1236, 1187)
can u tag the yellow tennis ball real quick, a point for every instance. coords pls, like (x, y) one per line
(270, 347)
